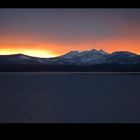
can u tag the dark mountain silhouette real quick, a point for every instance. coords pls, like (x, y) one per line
(85, 61)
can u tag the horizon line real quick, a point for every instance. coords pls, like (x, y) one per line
(66, 53)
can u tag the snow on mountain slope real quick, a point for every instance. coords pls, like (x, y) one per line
(123, 57)
(89, 57)
(99, 56)
(83, 57)
(123, 54)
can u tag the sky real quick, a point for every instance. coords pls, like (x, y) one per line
(53, 32)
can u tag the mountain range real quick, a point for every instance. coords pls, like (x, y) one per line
(92, 60)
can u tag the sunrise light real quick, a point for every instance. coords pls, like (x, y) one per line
(36, 53)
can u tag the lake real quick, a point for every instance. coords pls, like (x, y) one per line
(69, 97)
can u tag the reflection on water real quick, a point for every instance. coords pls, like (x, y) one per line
(65, 97)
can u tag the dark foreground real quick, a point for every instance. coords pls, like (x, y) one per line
(69, 97)
(69, 68)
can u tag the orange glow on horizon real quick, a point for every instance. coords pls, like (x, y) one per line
(44, 34)
(34, 52)
(53, 49)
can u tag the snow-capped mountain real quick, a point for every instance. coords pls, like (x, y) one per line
(87, 54)
(123, 57)
(90, 57)
(82, 58)
(99, 56)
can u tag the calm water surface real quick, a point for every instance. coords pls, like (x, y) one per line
(69, 97)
